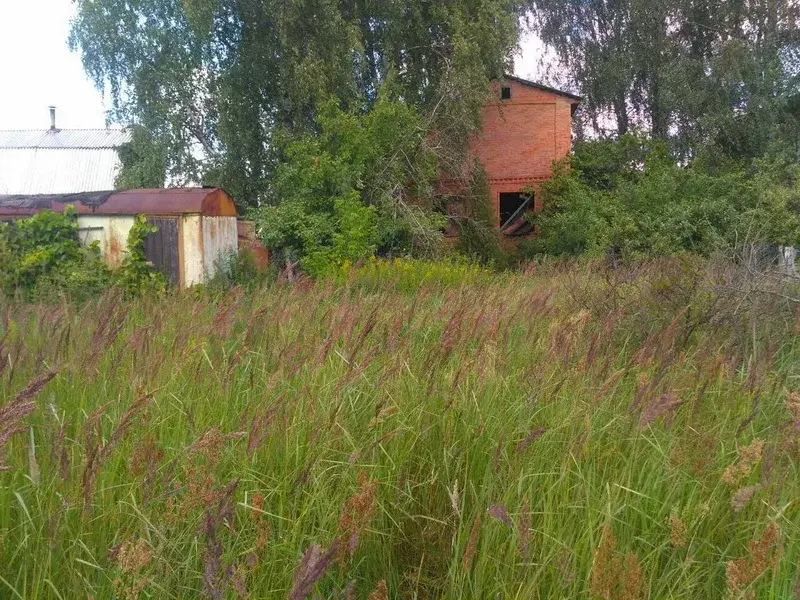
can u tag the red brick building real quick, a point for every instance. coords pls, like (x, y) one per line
(526, 128)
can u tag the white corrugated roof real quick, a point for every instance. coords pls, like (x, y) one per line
(60, 161)
(63, 138)
(57, 171)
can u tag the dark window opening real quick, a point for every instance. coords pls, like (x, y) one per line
(505, 93)
(513, 207)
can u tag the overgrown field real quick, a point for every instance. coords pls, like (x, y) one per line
(570, 432)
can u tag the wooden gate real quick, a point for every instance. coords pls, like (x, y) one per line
(162, 248)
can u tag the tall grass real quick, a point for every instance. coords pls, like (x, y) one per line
(567, 433)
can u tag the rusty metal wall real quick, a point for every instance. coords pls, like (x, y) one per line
(162, 247)
(220, 240)
(191, 253)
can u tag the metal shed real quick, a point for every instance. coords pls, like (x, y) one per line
(196, 226)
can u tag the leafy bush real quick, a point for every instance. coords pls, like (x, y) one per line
(238, 269)
(631, 198)
(344, 194)
(136, 275)
(42, 255)
(479, 239)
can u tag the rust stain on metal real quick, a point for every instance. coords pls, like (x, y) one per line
(248, 242)
(210, 202)
(115, 248)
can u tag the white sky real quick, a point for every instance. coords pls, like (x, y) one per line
(38, 70)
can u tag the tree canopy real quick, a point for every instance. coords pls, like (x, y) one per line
(703, 73)
(219, 82)
(333, 118)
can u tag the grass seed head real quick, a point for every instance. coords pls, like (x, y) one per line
(742, 497)
(313, 565)
(500, 512)
(524, 531)
(131, 558)
(380, 591)
(762, 554)
(749, 457)
(21, 405)
(606, 568)
(356, 515)
(663, 406)
(614, 577)
(793, 407)
(536, 432)
(632, 578)
(472, 543)
(677, 531)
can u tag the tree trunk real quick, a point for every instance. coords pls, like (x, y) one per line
(621, 111)
(659, 118)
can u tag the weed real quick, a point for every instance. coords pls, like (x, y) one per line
(567, 432)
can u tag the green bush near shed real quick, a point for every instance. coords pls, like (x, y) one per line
(42, 258)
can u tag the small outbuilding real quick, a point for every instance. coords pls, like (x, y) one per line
(196, 233)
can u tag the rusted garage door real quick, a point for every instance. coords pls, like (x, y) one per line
(161, 247)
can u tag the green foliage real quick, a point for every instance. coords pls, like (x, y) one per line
(479, 239)
(408, 275)
(237, 269)
(476, 437)
(144, 161)
(41, 256)
(346, 192)
(136, 275)
(352, 237)
(699, 73)
(218, 82)
(632, 199)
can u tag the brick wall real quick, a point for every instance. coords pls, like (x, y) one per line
(522, 137)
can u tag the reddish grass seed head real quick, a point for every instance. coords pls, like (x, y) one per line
(380, 591)
(762, 554)
(314, 563)
(472, 543)
(525, 532)
(663, 406)
(500, 512)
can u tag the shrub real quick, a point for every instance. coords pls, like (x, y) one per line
(238, 269)
(630, 198)
(136, 275)
(41, 258)
(42, 255)
(479, 239)
(343, 194)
